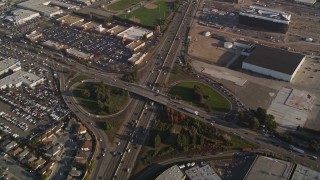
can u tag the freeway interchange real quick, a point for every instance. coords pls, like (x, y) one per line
(118, 161)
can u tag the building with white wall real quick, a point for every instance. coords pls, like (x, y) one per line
(9, 64)
(20, 16)
(20, 78)
(41, 6)
(243, 44)
(135, 33)
(306, 2)
(276, 63)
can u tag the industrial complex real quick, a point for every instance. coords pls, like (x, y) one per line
(189, 171)
(9, 64)
(20, 16)
(20, 78)
(41, 6)
(17, 77)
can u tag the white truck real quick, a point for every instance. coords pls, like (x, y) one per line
(296, 149)
(191, 111)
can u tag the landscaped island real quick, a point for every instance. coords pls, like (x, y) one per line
(201, 95)
(101, 99)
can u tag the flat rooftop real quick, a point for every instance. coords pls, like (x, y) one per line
(134, 44)
(78, 53)
(68, 19)
(269, 168)
(19, 77)
(275, 59)
(311, 2)
(23, 13)
(267, 14)
(7, 63)
(53, 44)
(288, 117)
(302, 172)
(95, 12)
(91, 25)
(134, 33)
(117, 29)
(40, 6)
(79, 24)
(64, 5)
(204, 172)
(173, 173)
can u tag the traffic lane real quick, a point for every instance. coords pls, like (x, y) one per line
(131, 155)
(121, 150)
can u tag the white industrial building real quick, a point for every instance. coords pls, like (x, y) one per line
(243, 44)
(21, 16)
(64, 5)
(9, 64)
(204, 172)
(41, 6)
(135, 33)
(173, 173)
(273, 62)
(79, 54)
(137, 58)
(20, 78)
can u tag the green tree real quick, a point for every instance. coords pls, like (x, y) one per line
(157, 140)
(261, 114)
(100, 104)
(194, 140)
(315, 145)
(201, 140)
(85, 93)
(254, 123)
(107, 126)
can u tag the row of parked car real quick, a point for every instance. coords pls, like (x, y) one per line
(13, 120)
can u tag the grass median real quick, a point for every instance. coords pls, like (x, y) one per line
(214, 102)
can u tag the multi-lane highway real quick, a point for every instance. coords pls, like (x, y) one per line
(119, 160)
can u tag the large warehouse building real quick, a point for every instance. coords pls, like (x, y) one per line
(306, 2)
(273, 62)
(40, 6)
(269, 19)
(9, 64)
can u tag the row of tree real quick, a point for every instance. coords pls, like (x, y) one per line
(199, 96)
(259, 118)
(102, 94)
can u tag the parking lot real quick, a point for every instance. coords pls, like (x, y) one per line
(108, 50)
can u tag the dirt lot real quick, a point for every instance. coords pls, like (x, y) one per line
(208, 48)
(305, 23)
(150, 6)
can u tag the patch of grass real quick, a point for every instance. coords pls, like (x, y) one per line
(216, 102)
(91, 105)
(123, 4)
(237, 142)
(176, 74)
(78, 79)
(151, 17)
(68, 73)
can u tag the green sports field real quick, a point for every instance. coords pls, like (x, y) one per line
(216, 102)
(151, 17)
